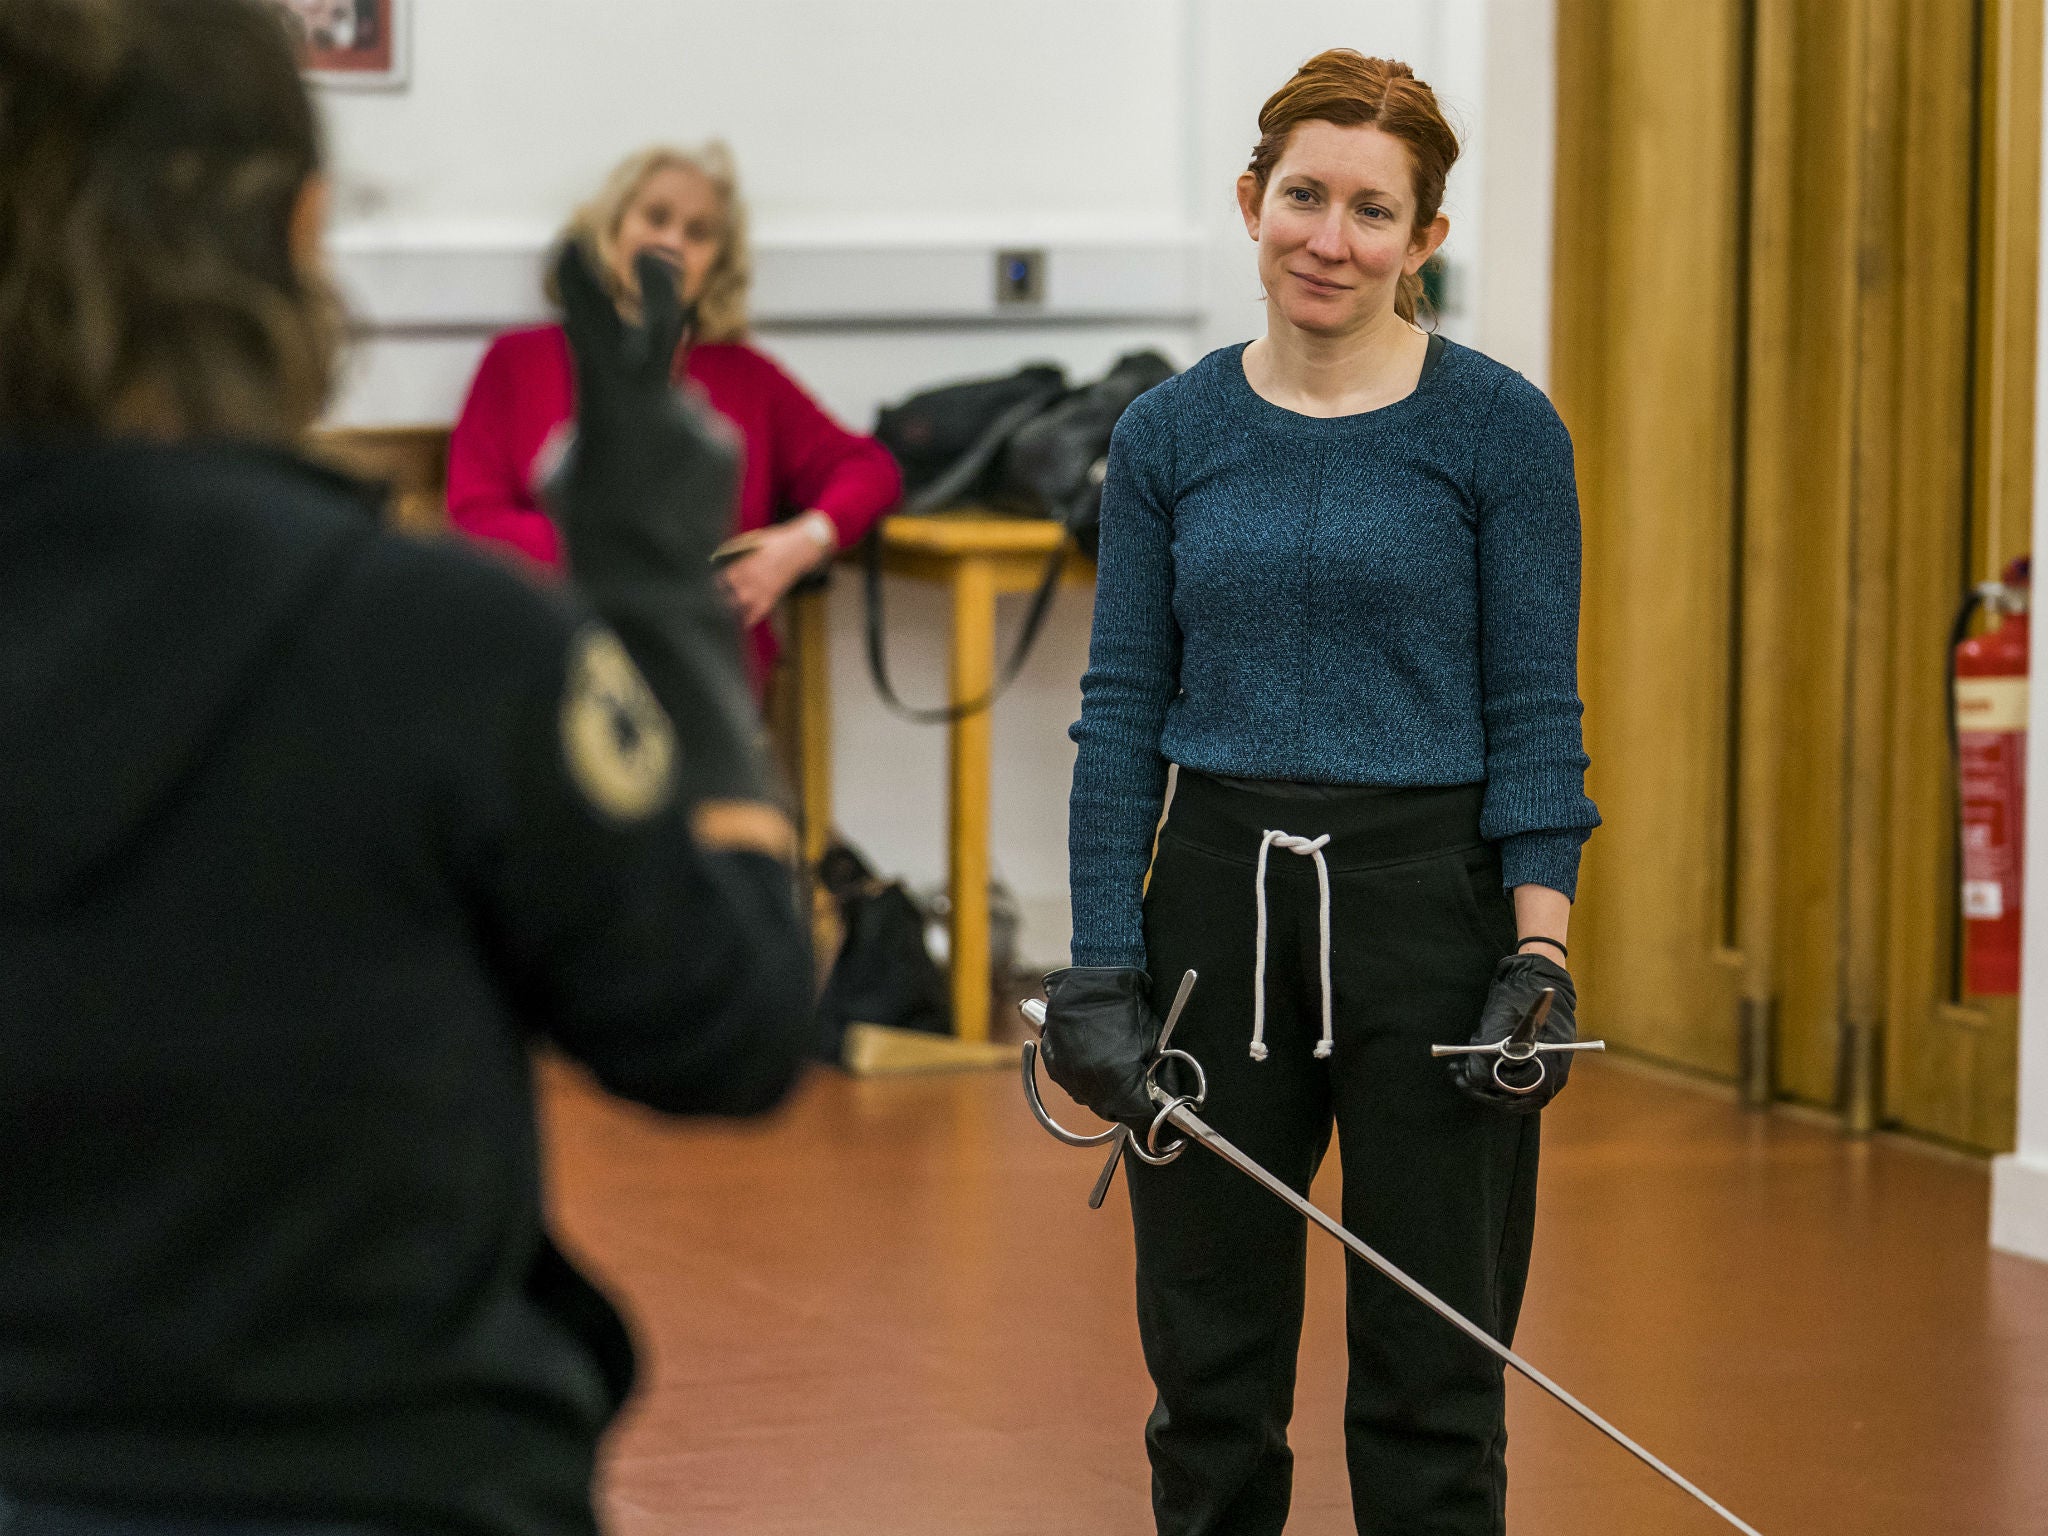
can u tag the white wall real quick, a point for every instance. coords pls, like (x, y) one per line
(2019, 1183)
(1517, 115)
(887, 148)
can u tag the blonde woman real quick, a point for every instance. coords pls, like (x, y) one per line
(682, 206)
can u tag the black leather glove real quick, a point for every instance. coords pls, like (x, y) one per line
(1517, 982)
(1100, 1032)
(643, 495)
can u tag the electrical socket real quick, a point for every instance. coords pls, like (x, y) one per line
(1020, 277)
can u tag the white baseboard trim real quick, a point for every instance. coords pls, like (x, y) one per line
(2019, 1206)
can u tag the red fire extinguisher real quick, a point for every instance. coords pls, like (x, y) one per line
(1990, 691)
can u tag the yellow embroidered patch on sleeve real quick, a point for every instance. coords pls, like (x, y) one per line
(617, 742)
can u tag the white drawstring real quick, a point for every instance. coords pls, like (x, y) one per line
(1307, 848)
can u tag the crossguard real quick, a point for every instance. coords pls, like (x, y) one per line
(1522, 1048)
(1513, 1053)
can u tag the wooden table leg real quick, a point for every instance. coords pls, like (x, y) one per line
(969, 744)
(808, 626)
(807, 718)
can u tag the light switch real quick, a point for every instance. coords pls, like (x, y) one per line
(1020, 277)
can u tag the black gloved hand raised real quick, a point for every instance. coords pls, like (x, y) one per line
(1517, 982)
(643, 495)
(1100, 1032)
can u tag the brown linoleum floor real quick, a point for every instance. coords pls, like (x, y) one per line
(889, 1312)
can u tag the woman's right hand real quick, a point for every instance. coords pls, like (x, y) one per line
(1100, 1033)
(757, 580)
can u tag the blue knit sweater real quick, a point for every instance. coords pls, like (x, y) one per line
(1389, 598)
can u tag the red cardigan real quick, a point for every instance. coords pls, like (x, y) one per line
(797, 457)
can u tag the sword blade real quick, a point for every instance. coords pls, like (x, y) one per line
(1205, 1134)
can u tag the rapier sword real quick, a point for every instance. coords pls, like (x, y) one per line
(1178, 1111)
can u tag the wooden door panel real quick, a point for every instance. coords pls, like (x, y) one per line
(1647, 265)
(1794, 349)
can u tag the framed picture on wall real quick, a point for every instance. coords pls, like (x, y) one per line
(354, 43)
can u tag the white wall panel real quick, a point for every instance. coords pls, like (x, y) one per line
(440, 283)
(838, 109)
(1517, 119)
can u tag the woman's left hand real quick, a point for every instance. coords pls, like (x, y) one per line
(1517, 982)
(756, 581)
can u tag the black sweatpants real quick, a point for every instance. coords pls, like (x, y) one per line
(1443, 1186)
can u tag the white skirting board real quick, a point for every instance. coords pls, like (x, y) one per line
(2019, 1205)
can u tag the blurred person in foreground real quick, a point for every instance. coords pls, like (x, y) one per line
(808, 488)
(310, 832)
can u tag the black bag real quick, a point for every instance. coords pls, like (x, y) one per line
(883, 973)
(946, 440)
(1038, 453)
(1053, 465)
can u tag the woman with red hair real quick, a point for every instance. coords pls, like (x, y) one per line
(1334, 674)
(809, 486)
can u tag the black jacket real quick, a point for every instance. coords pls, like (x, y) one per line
(291, 875)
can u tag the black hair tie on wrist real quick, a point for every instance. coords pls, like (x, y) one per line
(1537, 938)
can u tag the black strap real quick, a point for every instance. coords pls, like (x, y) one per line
(964, 471)
(1432, 354)
(961, 475)
(1020, 649)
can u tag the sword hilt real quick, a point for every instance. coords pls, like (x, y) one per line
(1504, 1057)
(1521, 1048)
(1149, 1151)
(1523, 1039)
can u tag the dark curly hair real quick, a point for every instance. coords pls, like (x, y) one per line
(152, 155)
